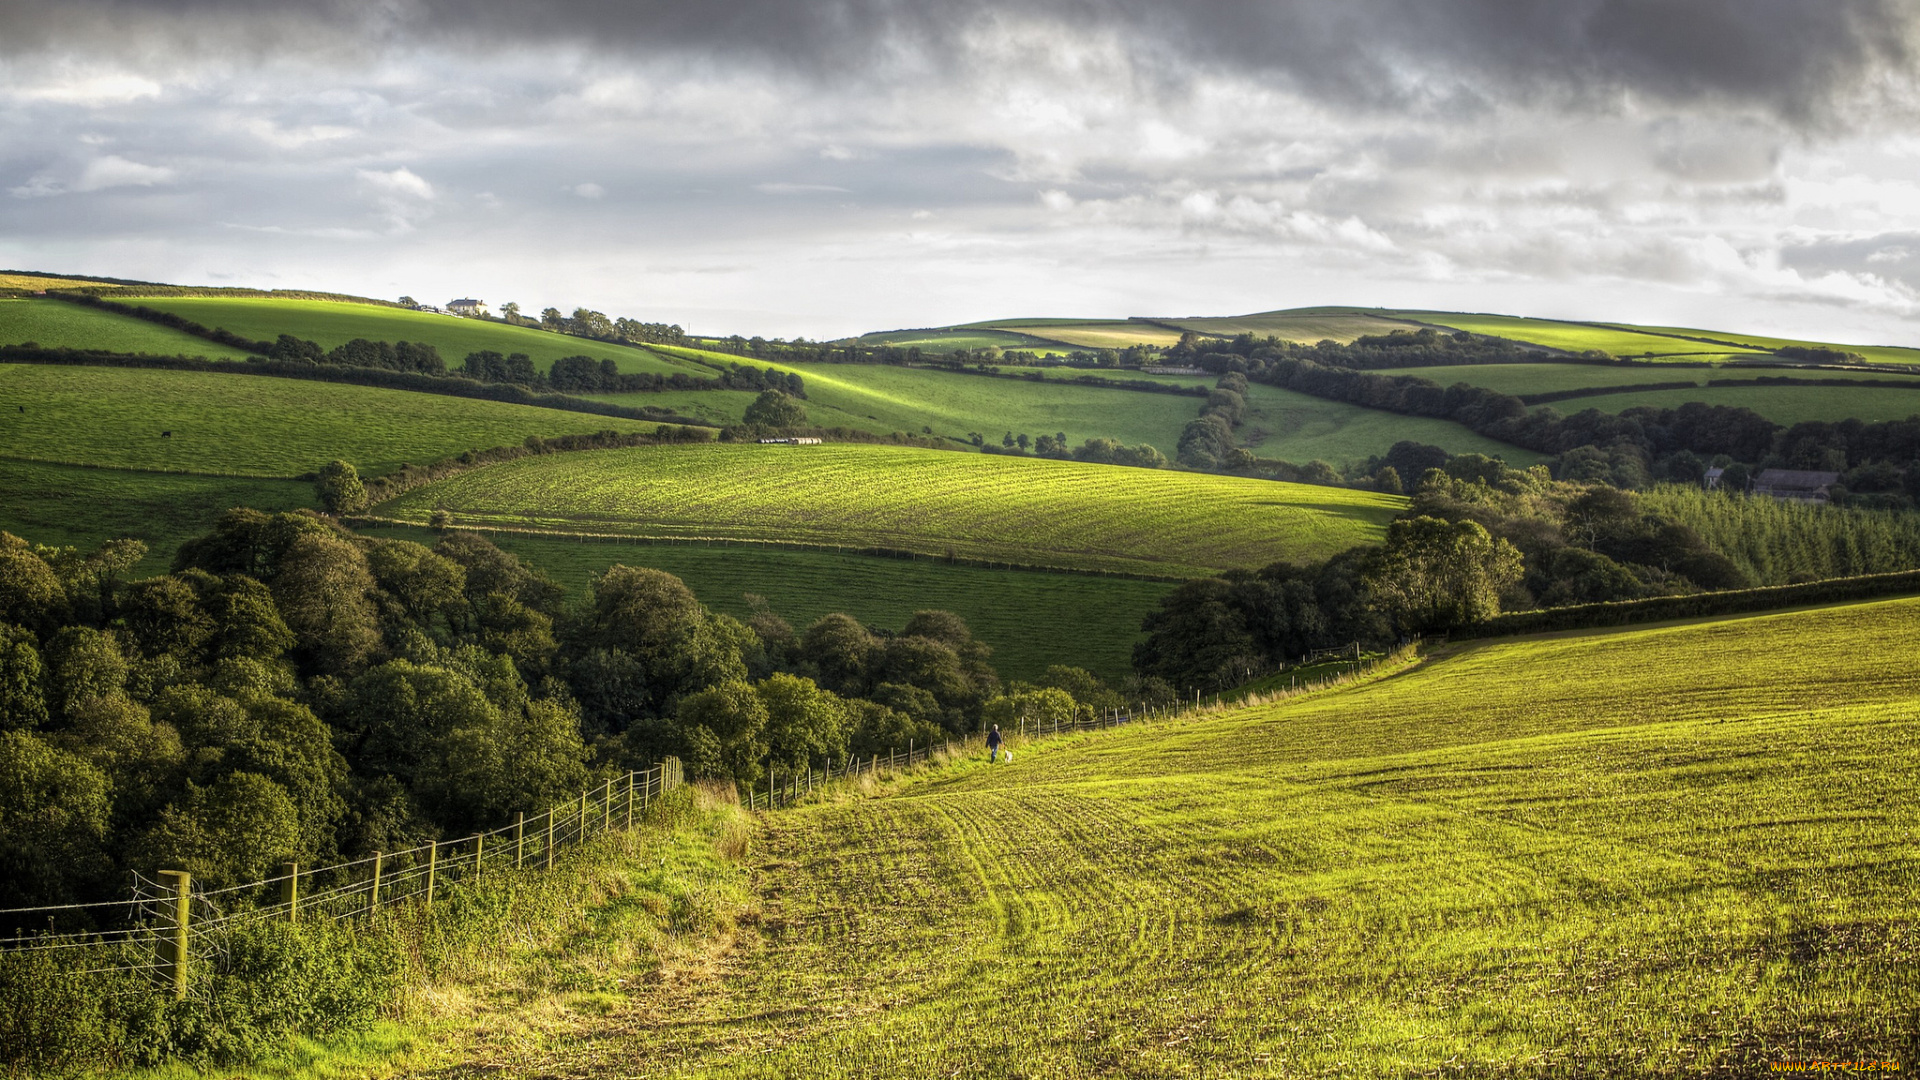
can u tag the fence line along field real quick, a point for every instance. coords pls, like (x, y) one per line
(1604, 854)
(57, 324)
(1055, 514)
(252, 425)
(336, 322)
(1016, 612)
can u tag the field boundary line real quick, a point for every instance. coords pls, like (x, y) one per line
(26, 460)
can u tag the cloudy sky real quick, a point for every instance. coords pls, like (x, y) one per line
(794, 167)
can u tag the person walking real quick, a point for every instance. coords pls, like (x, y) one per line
(993, 744)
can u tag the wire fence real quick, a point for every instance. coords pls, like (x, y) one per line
(170, 923)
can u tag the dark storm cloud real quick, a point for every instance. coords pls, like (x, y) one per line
(1803, 60)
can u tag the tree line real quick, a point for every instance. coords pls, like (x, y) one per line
(291, 691)
(1479, 539)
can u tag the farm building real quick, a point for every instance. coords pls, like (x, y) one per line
(803, 441)
(1712, 480)
(1795, 485)
(467, 306)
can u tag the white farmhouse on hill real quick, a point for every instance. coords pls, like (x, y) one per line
(467, 306)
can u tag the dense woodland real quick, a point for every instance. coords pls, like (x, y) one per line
(294, 692)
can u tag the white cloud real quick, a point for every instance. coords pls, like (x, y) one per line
(115, 171)
(402, 181)
(588, 190)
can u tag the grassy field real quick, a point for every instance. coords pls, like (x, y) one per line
(1577, 337)
(1018, 612)
(1781, 404)
(884, 399)
(1116, 334)
(1494, 864)
(49, 281)
(1016, 510)
(252, 425)
(947, 339)
(1299, 428)
(1548, 378)
(334, 323)
(66, 504)
(1879, 354)
(1306, 325)
(57, 324)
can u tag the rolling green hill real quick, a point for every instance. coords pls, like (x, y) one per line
(334, 323)
(249, 425)
(1015, 510)
(57, 324)
(884, 399)
(1304, 325)
(1603, 854)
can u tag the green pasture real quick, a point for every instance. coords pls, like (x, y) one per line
(1787, 405)
(1549, 378)
(1639, 853)
(253, 425)
(947, 339)
(1307, 325)
(884, 399)
(1020, 613)
(1575, 337)
(71, 505)
(1116, 334)
(1299, 428)
(1024, 511)
(332, 323)
(57, 324)
(1879, 354)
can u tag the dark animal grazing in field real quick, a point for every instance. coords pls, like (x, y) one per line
(166, 434)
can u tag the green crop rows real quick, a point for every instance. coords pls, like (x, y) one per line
(1020, 613)
(1623, 854)
(252, 425)
(57, 324)
(332, 322)
(976, 506)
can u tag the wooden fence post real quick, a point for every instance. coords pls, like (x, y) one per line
(177, 955)
(549, 838)
(479, 849)
(290, 892)
(606, 810)
(580, 834)
(519, 839)
(433, 865)
(629, 801)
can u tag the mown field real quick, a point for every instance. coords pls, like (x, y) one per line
(49, 281)
(1015, 510)
(1621, 854)
(1020, 613)
(57, 324)
(1094, 334)
(84, 507)
(1305, 325)
(252, 425)
(332, 323)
